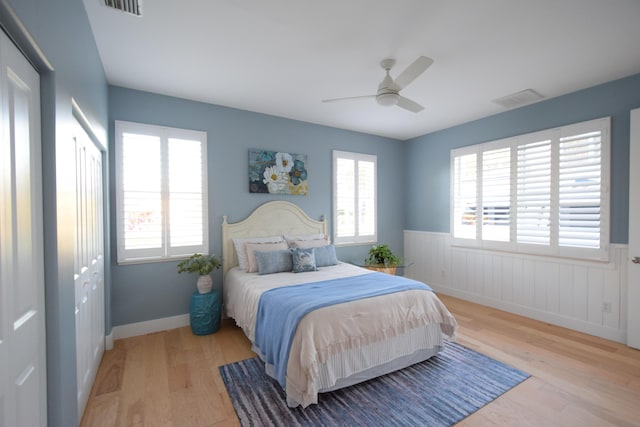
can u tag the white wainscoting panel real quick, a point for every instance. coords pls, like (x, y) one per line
(587, 296)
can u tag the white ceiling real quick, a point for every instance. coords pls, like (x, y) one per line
(282, 57)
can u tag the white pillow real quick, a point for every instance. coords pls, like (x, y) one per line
(307, 244)
(251, 248)
(306, 241)
(241, 252)
(305, 237)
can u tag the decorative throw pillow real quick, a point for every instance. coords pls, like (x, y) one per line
(325, 256)
(251, 248)
(241, 252)
(274, 261)
(303, 260)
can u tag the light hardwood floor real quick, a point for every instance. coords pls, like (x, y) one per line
(171, 378)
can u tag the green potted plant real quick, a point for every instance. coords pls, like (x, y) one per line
(381, 258)
(203, 265)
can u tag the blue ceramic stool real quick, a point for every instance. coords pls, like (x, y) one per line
(204, 312)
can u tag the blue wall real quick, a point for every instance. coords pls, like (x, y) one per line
(57, 38)
(427, 158)
(150, 291)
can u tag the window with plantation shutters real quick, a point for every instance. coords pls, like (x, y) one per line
(354, 198)
(161, 187)
(544, 193)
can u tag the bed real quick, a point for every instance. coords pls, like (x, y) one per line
(334, 345)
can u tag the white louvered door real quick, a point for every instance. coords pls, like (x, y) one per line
(22, 318)
(89, 264)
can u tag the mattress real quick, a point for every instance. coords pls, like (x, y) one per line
(346, 343)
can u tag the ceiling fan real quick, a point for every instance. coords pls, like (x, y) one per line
(389, 89)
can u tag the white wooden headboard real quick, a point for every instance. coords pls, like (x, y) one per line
(269, 219)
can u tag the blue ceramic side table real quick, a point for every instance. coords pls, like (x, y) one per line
(205, 312)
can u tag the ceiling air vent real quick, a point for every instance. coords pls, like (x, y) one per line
(519, 99)
(133, 7)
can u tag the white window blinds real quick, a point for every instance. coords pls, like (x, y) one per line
(354, 194)
(542, 193)
(161, 192)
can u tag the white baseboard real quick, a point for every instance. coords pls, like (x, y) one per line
(555, 319)
(149, 326)
(108, 341)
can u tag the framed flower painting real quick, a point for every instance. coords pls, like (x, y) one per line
(276, 172)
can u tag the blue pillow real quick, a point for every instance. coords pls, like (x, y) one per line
(303, 260)
(273, 261)
(325, 256)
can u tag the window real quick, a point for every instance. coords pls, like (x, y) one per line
(354, 198)
(545, 192)
(161, 187)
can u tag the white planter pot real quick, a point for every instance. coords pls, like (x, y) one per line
(205, 284)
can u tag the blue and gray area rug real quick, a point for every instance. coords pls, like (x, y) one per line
(438, 392)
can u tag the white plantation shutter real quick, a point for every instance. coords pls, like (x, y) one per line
(366, 198)
(345, 198)
(544, 193)
(496, 194)
(141, 192)
(185, 194)
(354, 192)
(534, 193)
(580, 190)
(465, 178)
(161, 192)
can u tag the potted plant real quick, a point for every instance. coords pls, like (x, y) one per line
(203, 265)
(381, 258)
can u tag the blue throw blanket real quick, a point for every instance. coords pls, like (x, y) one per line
(280, 309)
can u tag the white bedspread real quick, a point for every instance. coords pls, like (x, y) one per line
(335, 329)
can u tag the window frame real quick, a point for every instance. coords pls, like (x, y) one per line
(357, 238)
(554, 248)
(166, 252)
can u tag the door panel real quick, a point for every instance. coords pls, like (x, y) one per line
(633, 300)
(89, 264)
(22, 332)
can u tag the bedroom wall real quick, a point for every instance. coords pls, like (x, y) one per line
(145, 292)
(58, 33)
(585, 296)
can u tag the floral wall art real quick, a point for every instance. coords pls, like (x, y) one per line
(277, 172)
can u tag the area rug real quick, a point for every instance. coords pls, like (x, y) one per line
(440, 391)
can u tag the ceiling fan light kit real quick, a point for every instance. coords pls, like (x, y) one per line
(389, 89)
(387, 99)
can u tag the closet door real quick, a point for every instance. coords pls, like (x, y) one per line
(22, 332)
(89, 264)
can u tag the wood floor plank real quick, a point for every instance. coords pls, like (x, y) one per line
(171, 378)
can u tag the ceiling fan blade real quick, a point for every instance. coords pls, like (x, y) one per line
(412, 72)
(348, 97)
(408, 104)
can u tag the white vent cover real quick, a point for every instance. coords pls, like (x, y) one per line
(133, 7)
(519, 99)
